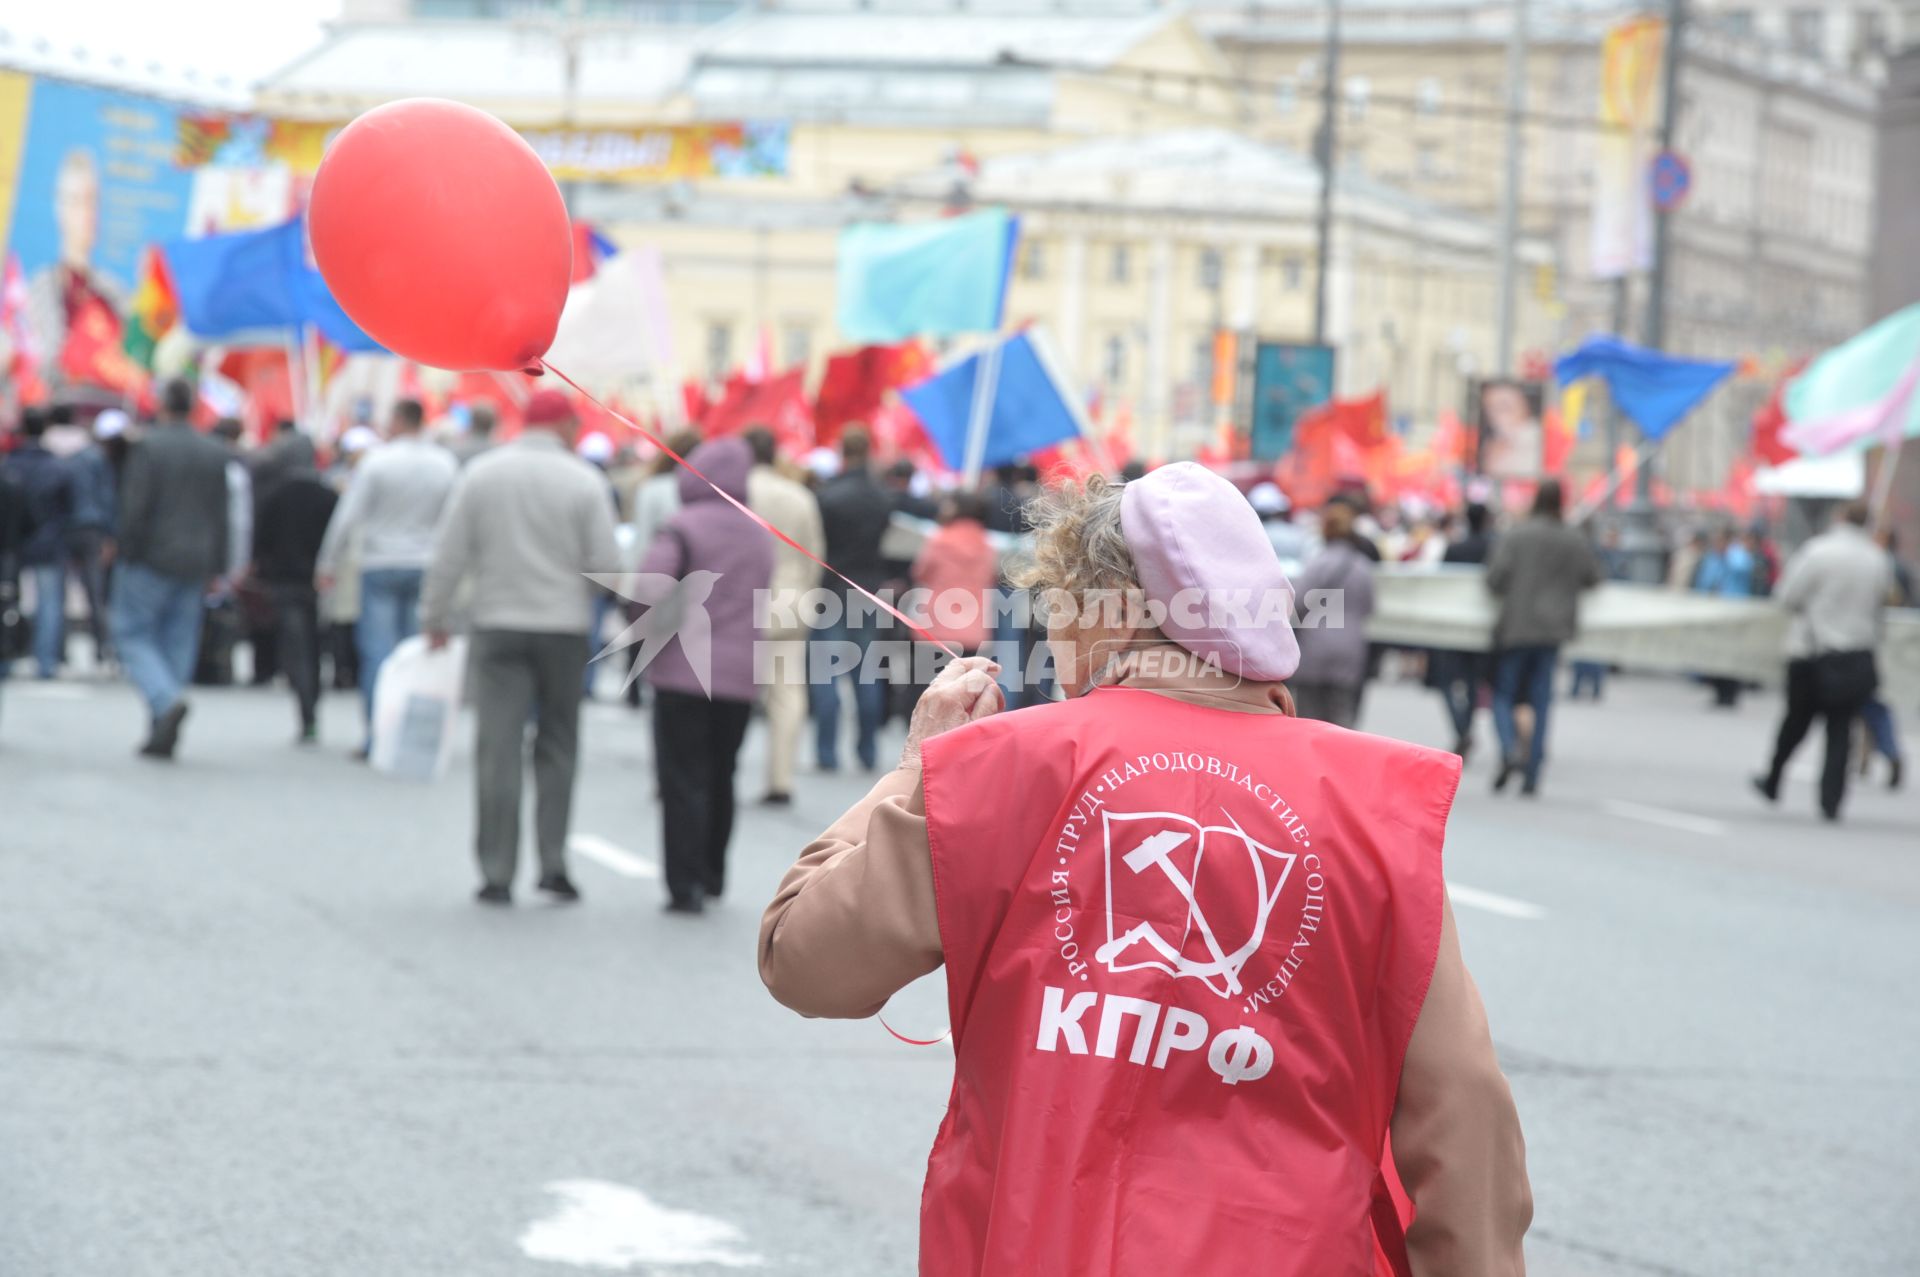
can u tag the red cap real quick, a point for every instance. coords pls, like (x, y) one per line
(548, 407)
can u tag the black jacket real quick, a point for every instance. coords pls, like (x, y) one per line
(47, 483)
(173, 504)
(290, 524)
(854, 512)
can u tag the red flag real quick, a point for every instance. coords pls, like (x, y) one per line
(1771, 419)
(757, 403)
(856, 384)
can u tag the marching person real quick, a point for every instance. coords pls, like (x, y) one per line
(49, 487)
(1333, 658)
(1209, 942)
(173, 545)
(789, 506)
(1537, 574)
(393, 504)
(288, 528)
(703, 677)
(526, 524)
(1836, 589)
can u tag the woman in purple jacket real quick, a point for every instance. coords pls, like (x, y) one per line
(703, 681)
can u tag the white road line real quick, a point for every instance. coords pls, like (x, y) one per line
(618, 859)
(1492, 902)
(596, 1224)
(1680, 820)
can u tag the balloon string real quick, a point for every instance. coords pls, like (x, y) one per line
(944, 1035)
(743, 508)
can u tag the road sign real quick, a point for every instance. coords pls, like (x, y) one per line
(1672, 180)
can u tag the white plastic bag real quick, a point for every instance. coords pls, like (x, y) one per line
(416, 707)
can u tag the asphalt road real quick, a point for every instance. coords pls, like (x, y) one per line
(252, 1024)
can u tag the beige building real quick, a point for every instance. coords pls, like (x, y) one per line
(1110, 127)
(1770, 253)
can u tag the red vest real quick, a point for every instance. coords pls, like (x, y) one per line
(1185, 950)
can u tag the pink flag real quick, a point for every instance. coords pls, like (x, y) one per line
(1880, 421)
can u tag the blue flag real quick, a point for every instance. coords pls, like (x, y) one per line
(1655, 391)
(250, 280)
(1032, 409)
(929, 279)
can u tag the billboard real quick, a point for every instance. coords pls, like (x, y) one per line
(1289, 380)
(1630, 61)
(1507, 423)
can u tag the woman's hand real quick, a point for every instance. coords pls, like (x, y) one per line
(962, 692)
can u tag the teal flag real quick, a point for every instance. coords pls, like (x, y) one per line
(925, 279)
(1866, 371)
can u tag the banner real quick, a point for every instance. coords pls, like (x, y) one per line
(250, 141)
(1647, 628)
(1289, 381)
(15, 90)
(1630, 59)
(668, 153)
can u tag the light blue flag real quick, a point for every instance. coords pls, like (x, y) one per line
(1863, 371)
(1031, 408)
(925, 279)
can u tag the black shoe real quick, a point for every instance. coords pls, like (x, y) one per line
(1508, 770)
(1463, 747)
(1529, 788)
(561, 888)
(1766, 788)
(1830, 814)
(166, 732)
(363, 754)
(777, 799)
(687, 905)
(1897, 770)
(309, 735)
(492, 895)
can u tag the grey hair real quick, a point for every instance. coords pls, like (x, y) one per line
(1078, 543)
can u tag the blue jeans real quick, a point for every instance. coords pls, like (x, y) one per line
(1517, 672)
(49, 616)
(389, 612)
(823, 695)
(1878, 716)
(1588, 674)
(156, 627)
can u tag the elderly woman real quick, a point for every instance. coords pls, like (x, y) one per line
(1199, 958)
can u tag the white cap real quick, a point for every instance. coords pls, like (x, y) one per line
(824, 462)
(110, 424)
(595, 447)
(1266, 498)
(358, 439)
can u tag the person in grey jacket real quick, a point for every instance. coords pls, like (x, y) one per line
(527, 522)
(172, 546)
(1538, 572)
(1333, 638)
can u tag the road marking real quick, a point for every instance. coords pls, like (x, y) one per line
(1680, 820)
(1492, 902)
(618, 859)
(51, 691)
(596, 1224)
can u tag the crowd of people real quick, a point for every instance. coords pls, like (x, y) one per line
(570, 563)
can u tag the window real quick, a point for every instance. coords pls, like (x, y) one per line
(719, 348)
(1033, 260)
(1738, 23)
(1291, 269)
(1286, 98)
(1203, 365)
(1209, 269)
(1807, 31)
(1120, 264)
(1427, 96)
(1870, 38)
(1359, 93)
(1113, 359)
(796, 343)
(1426, 160)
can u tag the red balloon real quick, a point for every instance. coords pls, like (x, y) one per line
(442, 234)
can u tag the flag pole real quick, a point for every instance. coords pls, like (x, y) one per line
(1883, 481)
(1615, 478)
(986, 389)
(298, 388)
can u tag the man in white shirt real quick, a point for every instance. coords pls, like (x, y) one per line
(394, 503)
(1836, 586)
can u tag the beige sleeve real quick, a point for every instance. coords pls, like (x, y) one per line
(854, 920)
(1456, 1135)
